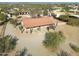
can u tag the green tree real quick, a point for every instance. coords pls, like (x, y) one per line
(66, 9)
(45, 12)
(35, 12)
(64, 18)
(71, 20)
(3, 17)
(53, 39)
(7, 43)
(14, 22)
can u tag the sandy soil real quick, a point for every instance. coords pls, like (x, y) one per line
(33, 42)
(72, 36)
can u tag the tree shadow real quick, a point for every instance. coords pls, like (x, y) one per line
(22, 52)
(63, 53)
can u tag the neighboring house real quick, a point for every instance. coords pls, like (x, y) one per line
(77, 16)
(74, 9)
(59, 13)
(16, 9)
(55, 9)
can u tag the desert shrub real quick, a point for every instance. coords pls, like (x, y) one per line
(7, 43)
(74, 47)
(63, 53)
(22, 52)
(64, 18)
(53, 39)
(71, 20)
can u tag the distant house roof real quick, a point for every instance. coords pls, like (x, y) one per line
(35, 22)
(76, 16)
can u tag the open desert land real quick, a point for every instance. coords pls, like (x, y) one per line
(33, 42)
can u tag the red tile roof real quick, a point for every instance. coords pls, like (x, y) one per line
(35, 22)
